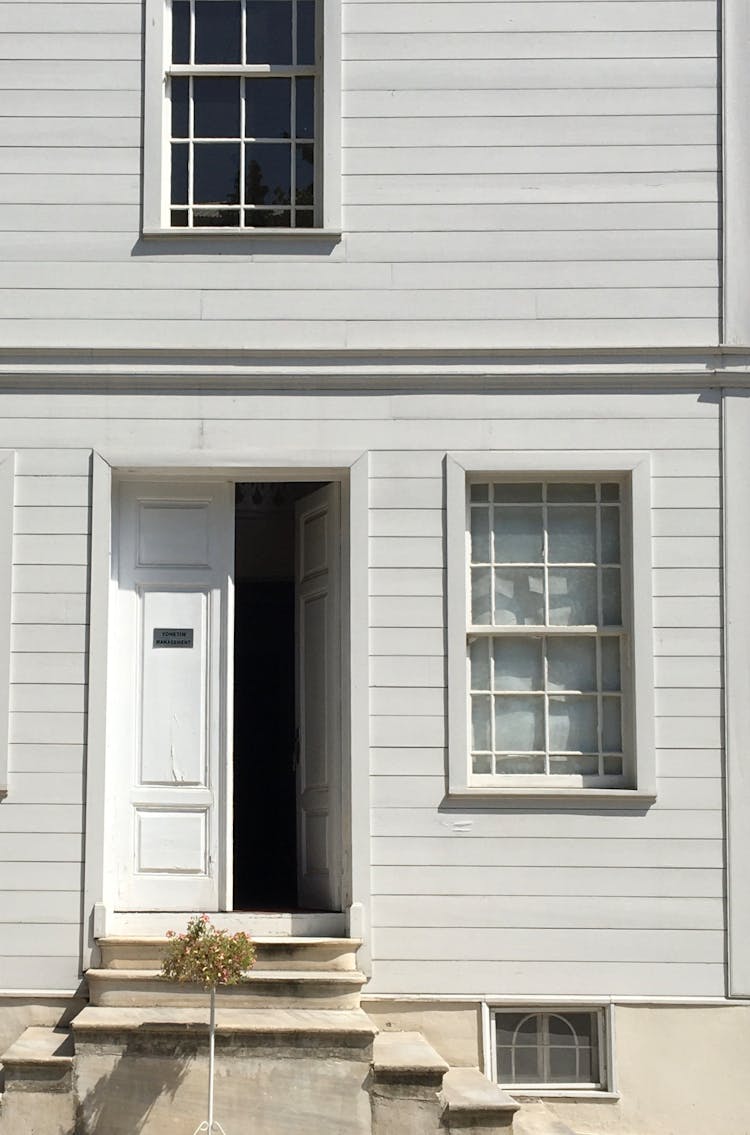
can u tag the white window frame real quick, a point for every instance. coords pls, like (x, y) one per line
(156, 159)
(634, 470)
(604, 1011)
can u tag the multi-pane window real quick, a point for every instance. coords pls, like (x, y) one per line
(242, 83)
(558, 1049)
(546, 641)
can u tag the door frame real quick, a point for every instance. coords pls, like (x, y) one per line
(351, 470)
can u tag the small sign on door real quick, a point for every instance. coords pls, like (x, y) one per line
(173, 636)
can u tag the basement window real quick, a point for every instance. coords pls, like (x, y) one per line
(549, 1048)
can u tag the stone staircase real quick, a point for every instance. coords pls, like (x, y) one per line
(294, 1052)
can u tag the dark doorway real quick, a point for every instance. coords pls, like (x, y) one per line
(265, 793)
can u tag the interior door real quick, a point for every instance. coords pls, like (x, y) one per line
(169, 660)
(318, 629)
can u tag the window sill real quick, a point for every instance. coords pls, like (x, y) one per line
(329, 236)
(606, 797)
(592, 1094)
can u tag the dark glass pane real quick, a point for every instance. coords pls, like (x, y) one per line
(305, 219)
(561, 1031)
(305, 31)
(526, 1065)
(582, 1023)
(505, 1027)
(216, 173)
(269, 31)
(305, 108)
(179, 96)
(562, 1065)
(610, 492)
(216, 108)
(305, 175)
(218, 31)
(179, 173)
(216, 218)
(178, 218)
(268, 104)
(268, 175)
(180, 32)
(504, 1066)
(568, 493)
(268, 218)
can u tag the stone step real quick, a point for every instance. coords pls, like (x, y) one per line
(407, 1075)
(38, 1097)
(273, 952)
(277, 988)
(471, 1101)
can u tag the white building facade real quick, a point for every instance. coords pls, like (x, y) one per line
(374, 484)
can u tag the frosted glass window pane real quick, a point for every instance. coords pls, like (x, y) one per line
(580, 765)
(562, 1065)
(611, 605)
(505, 1027)
(572, 724)
(519, 535)
(610, 648)
(480, 492)
(613, 766)
(519, 723)
(481, 603)
(481, 763)
(610, 535)
(480, 723)
(510, 492)
(519, 597)
(571, 664)
(519, 765)
(572, 535)
(479, 654)
(572, 597)
(518, 664)
(525, 1065)
(480, 535)
(610, 492)
(571, 492)
(561, 1032)
(611, 725)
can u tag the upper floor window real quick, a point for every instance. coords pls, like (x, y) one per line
(236, 129)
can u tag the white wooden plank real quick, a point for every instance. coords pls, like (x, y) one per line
(50, 550)
(76, 45)
(675, 611)
(695, 672)
(48, 638)
(56, 18)
(406, 491)
(613, 216)
(68, 104)
(63, 608)
(26, 972)
(674, 551)
(406, 522)
(570, 881)
(687, 492)
(47, 787)
(46, 667)
(64, 189)
(404, 672)
(42, 521)
(687, 641)
(47, 758)
(457, 102)
(686, 522)
(23, 938)
(548, 405)
(555, 274)
(688, 732)
(679, 763)
(58, 578)
(676, 466)
(50, 876)
(457, 851)
(74, 218)
(40, 847)
(661, 946)
(34, 728)
(407, 581)
(57, 462)
(405, 731)
(519, 18)
(24, 818)
(78, 75)
(413, 700)
(419, 642)
(692, 793)
(549, 912)
(71, 304)
(528, 45)
(687, 581)
(425, 551)
(407, 611)
(52, 490)
(549, 979)
(45, 698)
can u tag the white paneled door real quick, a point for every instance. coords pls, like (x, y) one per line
(318, 626)
(169, 661)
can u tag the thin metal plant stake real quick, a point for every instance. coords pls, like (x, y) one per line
(210, 1124)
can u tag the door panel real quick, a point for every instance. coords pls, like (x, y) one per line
(318, 627)
(168, 697)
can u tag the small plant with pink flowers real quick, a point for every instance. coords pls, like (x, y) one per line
(209, 957)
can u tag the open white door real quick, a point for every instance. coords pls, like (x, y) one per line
(169, 659)
(318, 626)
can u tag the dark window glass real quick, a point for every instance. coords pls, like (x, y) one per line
(216, 218)
(179, 173)
(268, 218)
(306, 31)
(305, 219)
(180, 32)
(216, 108)
(305, 175)
(305, 108)
(268, 108)
(269, 31)
(179, 218)
(268, 174)
(179, 96)
(218, 31)
(216, 173)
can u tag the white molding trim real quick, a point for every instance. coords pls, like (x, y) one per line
(546, 463)
(736, 476)
(736, 171)
(7, 491)
(96, 737)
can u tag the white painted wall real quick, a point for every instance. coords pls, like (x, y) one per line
(582, 901)
(514, 175)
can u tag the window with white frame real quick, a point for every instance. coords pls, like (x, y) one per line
(546, 633)
(550, 631)
(557, 1049)
(242, 83)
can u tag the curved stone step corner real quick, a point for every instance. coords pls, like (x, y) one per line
(471, 1101)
